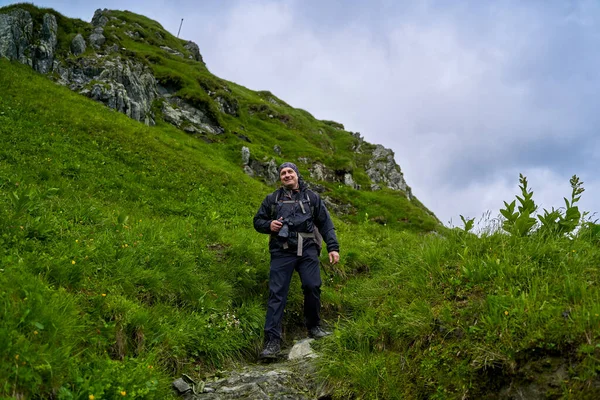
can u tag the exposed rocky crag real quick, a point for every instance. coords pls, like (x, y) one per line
(383, 170)
(105, 75)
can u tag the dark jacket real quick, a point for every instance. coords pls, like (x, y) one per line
(319, 217)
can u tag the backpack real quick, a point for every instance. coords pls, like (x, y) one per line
(318, 239)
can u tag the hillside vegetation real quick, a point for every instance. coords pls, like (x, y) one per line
(128, 257)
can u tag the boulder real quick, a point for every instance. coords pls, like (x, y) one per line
(266, 170)
(245, 155)
(97, 38)
(78, 45)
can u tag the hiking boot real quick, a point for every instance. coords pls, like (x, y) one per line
(271, 349)
(317, 332)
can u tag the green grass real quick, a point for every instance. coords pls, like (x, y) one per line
(128, 257)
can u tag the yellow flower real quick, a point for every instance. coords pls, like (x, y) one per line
(35, 332)
(91, 397)
(123, 393)
(103, 294)
(76, 240)
(150, 366)
(17, 357)
(505, 312)
(72, 261)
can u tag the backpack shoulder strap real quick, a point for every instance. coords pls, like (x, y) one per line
(273, 199)
(311, 203)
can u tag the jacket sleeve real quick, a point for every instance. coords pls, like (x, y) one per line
(325, 224)
(262, 219)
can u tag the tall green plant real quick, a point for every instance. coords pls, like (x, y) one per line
(556, 222)
(520, 222)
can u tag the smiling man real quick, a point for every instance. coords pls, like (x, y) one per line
(295, 217)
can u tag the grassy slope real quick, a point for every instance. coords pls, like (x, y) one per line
(128, 257)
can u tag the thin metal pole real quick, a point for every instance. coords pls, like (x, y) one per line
(179, 28)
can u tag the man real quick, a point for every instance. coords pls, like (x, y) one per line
(290, 215)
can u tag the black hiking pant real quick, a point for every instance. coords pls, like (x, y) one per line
(283, 264)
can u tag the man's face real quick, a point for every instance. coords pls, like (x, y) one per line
(288, 178)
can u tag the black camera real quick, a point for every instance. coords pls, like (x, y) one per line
(284, 232)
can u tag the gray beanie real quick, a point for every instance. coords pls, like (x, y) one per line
(289, 165)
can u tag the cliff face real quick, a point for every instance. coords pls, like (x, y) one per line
(126, 62)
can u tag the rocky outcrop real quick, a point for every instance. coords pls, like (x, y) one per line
(100, 18)
(78, 45)
(123, 85)
(383, 170)
(43, 59)
(227, 105)
(194, 50)
(19, 41)
(262, 169)
(97, 38)
(188, 118)
(319, 172)
(292, 379)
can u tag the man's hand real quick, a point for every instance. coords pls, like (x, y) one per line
(276, 225)
(334, 257)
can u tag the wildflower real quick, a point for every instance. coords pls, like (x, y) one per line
(505, 312)
(17, 357)
(573, 250)
(150, 366)
(35, 332)
(123, 393)
(72, 261)
(76, 240)
(103, 294)
(91, 397)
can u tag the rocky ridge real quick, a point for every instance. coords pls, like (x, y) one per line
(97, 67)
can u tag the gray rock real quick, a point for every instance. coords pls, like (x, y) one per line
(195, 50)
(320, 172)
(277, 149)
(227, 106)
(123, 85)
(382, 169)
(43, 60)
(348, 181)
(302, 349)
(97, 38)
(171, 51)
(245, 155)
(292, 380)
(16, 34)
(78, 45)
(248, 171)
(191, 119)
(266, 170)
(100, 19)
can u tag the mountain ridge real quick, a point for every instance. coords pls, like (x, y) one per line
(131, 64)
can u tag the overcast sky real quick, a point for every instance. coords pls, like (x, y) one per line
(468, 94)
